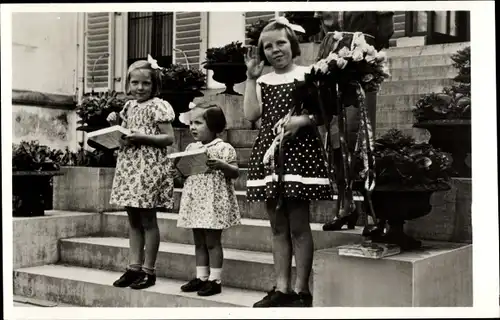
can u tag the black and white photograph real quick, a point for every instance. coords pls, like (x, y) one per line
(230, 158)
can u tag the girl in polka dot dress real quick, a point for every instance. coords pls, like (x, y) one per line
(269, 97)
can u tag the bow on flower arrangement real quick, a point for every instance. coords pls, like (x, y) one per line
(349, 67)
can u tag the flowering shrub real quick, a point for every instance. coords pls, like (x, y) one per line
(233, 52)
(254, 30)
(94, 108)
(399, 160)
(453, 102)
(181, 78)
(31, 156)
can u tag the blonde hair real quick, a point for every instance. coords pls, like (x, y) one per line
(155, 76)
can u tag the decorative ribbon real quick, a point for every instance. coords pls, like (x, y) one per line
(154, 63)
(284, 21)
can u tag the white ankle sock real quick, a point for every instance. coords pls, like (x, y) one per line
(215, 274)
(202, 273)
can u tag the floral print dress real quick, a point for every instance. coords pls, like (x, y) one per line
(209, 199)
(143, 177)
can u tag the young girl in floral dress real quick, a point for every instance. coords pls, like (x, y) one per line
(269, 97)
(208, 203)
(142, 181)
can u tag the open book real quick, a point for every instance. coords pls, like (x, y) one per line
(369, 250)
(190, 162)
(108, 137)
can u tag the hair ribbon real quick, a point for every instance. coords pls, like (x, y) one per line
(284, 21)
(153, 63)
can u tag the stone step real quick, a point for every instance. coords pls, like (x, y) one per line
(397, 102)
(93, 288)
(419, 61)
(251, 234)
(437, 49)
(321, 211)
(242, 268)
(24, 302)
(423, 73)
(404, 87)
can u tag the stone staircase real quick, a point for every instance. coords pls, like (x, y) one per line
(87, 264)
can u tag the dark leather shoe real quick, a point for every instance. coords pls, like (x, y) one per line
(301, 300)
(146, 282)
(129, 277)
(275, 299)
(194, 285)
(210, 288)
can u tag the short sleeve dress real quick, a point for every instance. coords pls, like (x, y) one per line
(305, 170)
(209, 199)
(143, 177)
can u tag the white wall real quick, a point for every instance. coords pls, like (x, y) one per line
(44, 59)
(44, 56)
(224, 28)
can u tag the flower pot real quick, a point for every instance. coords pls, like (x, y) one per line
(452, 136)
(29, 192)
(397, 204)
(228, 73)
(85, 189)
(179, 100)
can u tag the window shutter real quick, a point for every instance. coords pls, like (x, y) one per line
(98, 51)
(188, 38)
(251, 17)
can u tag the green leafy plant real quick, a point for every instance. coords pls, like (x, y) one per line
(95, 107)
(180, 78)
(31, 156)
(400, 161)
(454, 102)
(87, 158)
(233, 52)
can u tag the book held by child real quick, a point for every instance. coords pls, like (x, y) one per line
(108, 138)
(190, 162)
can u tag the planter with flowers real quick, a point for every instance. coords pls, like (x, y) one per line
(180, 85)
(33, 167)
(87, 181)
(407, 174)
(228, 65)
(447, 116)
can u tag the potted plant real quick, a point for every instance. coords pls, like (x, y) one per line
(180, 85)
(33, 166)
(228, 65)
(95, 108)
(407, 174)
(87, 180)
(307, 20)
(447, 116)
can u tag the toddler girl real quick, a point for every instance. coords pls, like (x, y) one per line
(142, 182)
(208, 203)
(269, 97)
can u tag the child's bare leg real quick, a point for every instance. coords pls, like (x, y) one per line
(200, 248)
(136, 239)
(282, 246)
(152, 239)
(214, 246)
(302, 240)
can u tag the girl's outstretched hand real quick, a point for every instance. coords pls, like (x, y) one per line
(253, 63)
(293, 125)
(135, 136)
(113, 118)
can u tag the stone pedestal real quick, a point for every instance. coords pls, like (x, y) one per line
(438, 275)
(84, 189)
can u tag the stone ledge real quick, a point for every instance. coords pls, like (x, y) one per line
(50, 100)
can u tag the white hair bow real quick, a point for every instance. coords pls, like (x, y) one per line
(185, 117)
(153, 62)
(284, 21)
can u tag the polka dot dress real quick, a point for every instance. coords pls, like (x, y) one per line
(305, 172)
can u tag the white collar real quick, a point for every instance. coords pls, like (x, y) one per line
(211, 143)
